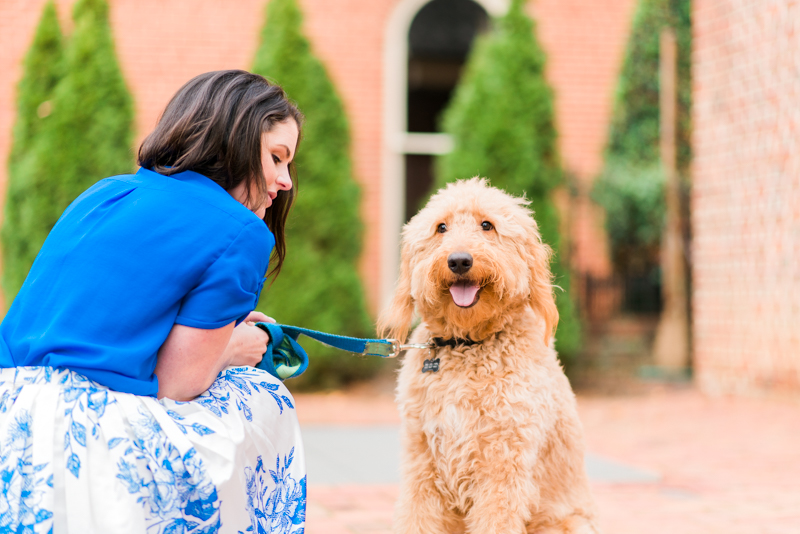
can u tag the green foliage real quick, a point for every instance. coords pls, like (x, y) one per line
(633, 151)
(92, 105)
(633, 196)
(42, 70)
(501, 119)
(635, 133)
(86, 137)
(319, 286)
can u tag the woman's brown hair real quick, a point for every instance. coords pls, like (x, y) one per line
(214, 126)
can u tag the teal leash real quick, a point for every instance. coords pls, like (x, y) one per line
(285, 358)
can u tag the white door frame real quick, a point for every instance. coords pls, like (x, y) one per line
(397, 141)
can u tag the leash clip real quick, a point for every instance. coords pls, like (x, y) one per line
(396, 347)
(429, 346)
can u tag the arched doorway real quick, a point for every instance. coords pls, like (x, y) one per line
(439, 39)
(410, 86)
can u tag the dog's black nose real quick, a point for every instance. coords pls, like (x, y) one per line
(459, 262)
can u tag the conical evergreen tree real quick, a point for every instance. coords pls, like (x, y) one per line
(87, 136)
(319, 286)
(630, 187)
(92, 106)
(635, 134)
(501, 119)
(42, 70)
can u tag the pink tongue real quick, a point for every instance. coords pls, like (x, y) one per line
(463, 295)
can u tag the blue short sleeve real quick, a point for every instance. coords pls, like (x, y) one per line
(229, 288)
(131, 257)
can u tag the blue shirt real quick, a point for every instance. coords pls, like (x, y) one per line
(131, 257)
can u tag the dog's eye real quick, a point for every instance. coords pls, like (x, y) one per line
(442, 228)
(486, 225)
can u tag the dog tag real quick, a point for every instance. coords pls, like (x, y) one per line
(430, 366)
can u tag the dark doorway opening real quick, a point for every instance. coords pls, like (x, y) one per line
(439, 41)
(419, 179)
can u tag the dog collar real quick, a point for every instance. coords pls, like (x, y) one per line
(432, 365)
(453, 342)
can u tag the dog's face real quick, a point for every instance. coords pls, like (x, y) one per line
(469, 257)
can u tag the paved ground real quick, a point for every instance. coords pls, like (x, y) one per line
(668, 461)
(357, 454)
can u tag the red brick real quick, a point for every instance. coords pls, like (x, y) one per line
(162, 44)
(745, 197)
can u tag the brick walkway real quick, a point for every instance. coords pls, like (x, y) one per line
(728, 466)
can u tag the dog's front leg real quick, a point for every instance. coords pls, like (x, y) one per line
(504, 492)
(420, 506)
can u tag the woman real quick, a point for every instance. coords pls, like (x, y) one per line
(127, 398)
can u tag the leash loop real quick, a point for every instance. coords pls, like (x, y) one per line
(285, 358)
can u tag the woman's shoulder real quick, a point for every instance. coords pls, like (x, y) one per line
(150, 211)
(187, 193)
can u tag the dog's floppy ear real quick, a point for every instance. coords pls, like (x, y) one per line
(395, 321)
(542, 298)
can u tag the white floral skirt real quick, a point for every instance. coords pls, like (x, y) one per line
(78, 458)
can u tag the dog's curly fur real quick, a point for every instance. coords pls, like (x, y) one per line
(492, 441)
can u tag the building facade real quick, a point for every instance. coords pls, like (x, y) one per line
(746, 195)
(367, 48)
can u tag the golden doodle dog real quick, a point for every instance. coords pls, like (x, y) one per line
(492, 443)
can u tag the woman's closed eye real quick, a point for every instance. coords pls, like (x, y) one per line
(276, 159)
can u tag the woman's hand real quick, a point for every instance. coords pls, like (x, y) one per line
(258, 317)
(248, 342)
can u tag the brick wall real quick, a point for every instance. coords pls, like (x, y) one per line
(585, 41)
(746, 195)
(161, 44)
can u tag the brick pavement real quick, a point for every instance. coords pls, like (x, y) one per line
(728, 465)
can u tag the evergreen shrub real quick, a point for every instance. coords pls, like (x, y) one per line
(86, 137)
(501, 120)
(42, 70)
(630, 183)
(633, 197)
(319, 286)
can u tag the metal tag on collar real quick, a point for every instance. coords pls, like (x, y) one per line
(431, 366)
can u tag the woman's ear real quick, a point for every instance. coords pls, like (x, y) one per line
(541, 283)
(395, 320)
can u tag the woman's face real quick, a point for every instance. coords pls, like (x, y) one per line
(277, 151)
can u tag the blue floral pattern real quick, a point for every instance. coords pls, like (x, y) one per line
(277, 504)
(90, 399)
(10, 395)
(159, 468)
(197, 428)
(23, 484)
(238, 384)
(175, 490)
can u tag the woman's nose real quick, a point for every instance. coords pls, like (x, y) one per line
(284, 182)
